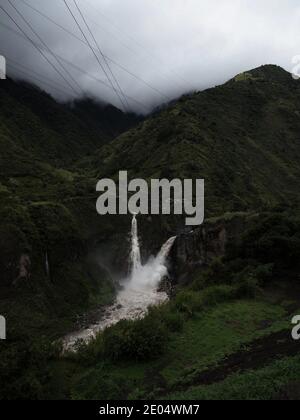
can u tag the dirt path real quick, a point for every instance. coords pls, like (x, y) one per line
(258, 354)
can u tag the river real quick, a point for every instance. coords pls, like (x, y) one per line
(137, 293)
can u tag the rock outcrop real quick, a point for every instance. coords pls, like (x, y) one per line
(197, 248)
(24, 269)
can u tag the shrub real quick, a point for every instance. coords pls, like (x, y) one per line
(190, 302)
(248, 288)
(251, 279)
(174, 321)
(135, 340)
(273, 238)
(216, 273)
(101, 384)
(218, 294)
(25, 367)
(115, 340)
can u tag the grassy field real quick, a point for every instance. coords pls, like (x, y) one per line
(279, 379)
(204, 344)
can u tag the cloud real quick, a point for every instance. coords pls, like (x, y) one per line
(157, 50)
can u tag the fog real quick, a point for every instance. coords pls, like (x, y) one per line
(151, 51)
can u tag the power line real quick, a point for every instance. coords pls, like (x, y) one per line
(150, 54)
(45, 45)
(40, 78)
(136, 52)
(140, 79)
(103, 56)
(35, 46)
(53, 21)
(43, 81)
(34, 72)
(91, 76)
(79, 69)
(91, 48)
(130, 73)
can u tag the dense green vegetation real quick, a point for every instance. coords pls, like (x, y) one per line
(180, 347)
(47, 213)
(47, 205)
(241, 137)
(263, 384)
(172, 352)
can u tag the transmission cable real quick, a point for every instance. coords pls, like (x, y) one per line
(99, 49)
(146, 52)
(38, 78)
(130, 73)
(38, 48)
(93, 51)
(45, 45)
(79, 69)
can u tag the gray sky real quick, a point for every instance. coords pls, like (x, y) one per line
(171, 46)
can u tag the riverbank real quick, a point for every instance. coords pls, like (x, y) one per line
(199, 353)
(137, 293)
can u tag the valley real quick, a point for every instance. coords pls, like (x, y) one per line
(219, 326)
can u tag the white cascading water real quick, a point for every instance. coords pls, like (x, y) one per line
(148, 277)
(47, 266)
(139, 290)
(135, 253)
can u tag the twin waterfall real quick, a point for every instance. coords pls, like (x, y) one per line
(138, 291)
(146, 277)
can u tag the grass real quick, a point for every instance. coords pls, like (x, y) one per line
(220, 332)
(205, 340)
(263, 384)
(241, 137)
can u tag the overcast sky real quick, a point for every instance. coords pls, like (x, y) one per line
(156, 49)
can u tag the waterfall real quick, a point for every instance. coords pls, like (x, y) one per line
(47, 266)
(148, 276)
(165, 249)
(135, 254)
(139, 291)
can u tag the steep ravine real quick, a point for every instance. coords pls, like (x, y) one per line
(138, 290)
(149, 282)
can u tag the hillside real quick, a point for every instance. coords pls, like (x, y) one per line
(47, 204)
(55, 132)
(241, 137)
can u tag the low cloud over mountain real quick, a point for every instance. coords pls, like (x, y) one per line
(155, 50)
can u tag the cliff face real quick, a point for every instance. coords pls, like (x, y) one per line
(198, 248)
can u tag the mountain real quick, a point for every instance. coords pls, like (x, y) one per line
(241, 137)
(104, 118)
(57, 133)
(47, 205)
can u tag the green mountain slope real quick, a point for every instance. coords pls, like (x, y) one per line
(242, 137)
(47, 205)
(56, 133)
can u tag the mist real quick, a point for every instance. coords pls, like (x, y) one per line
(155, 50)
